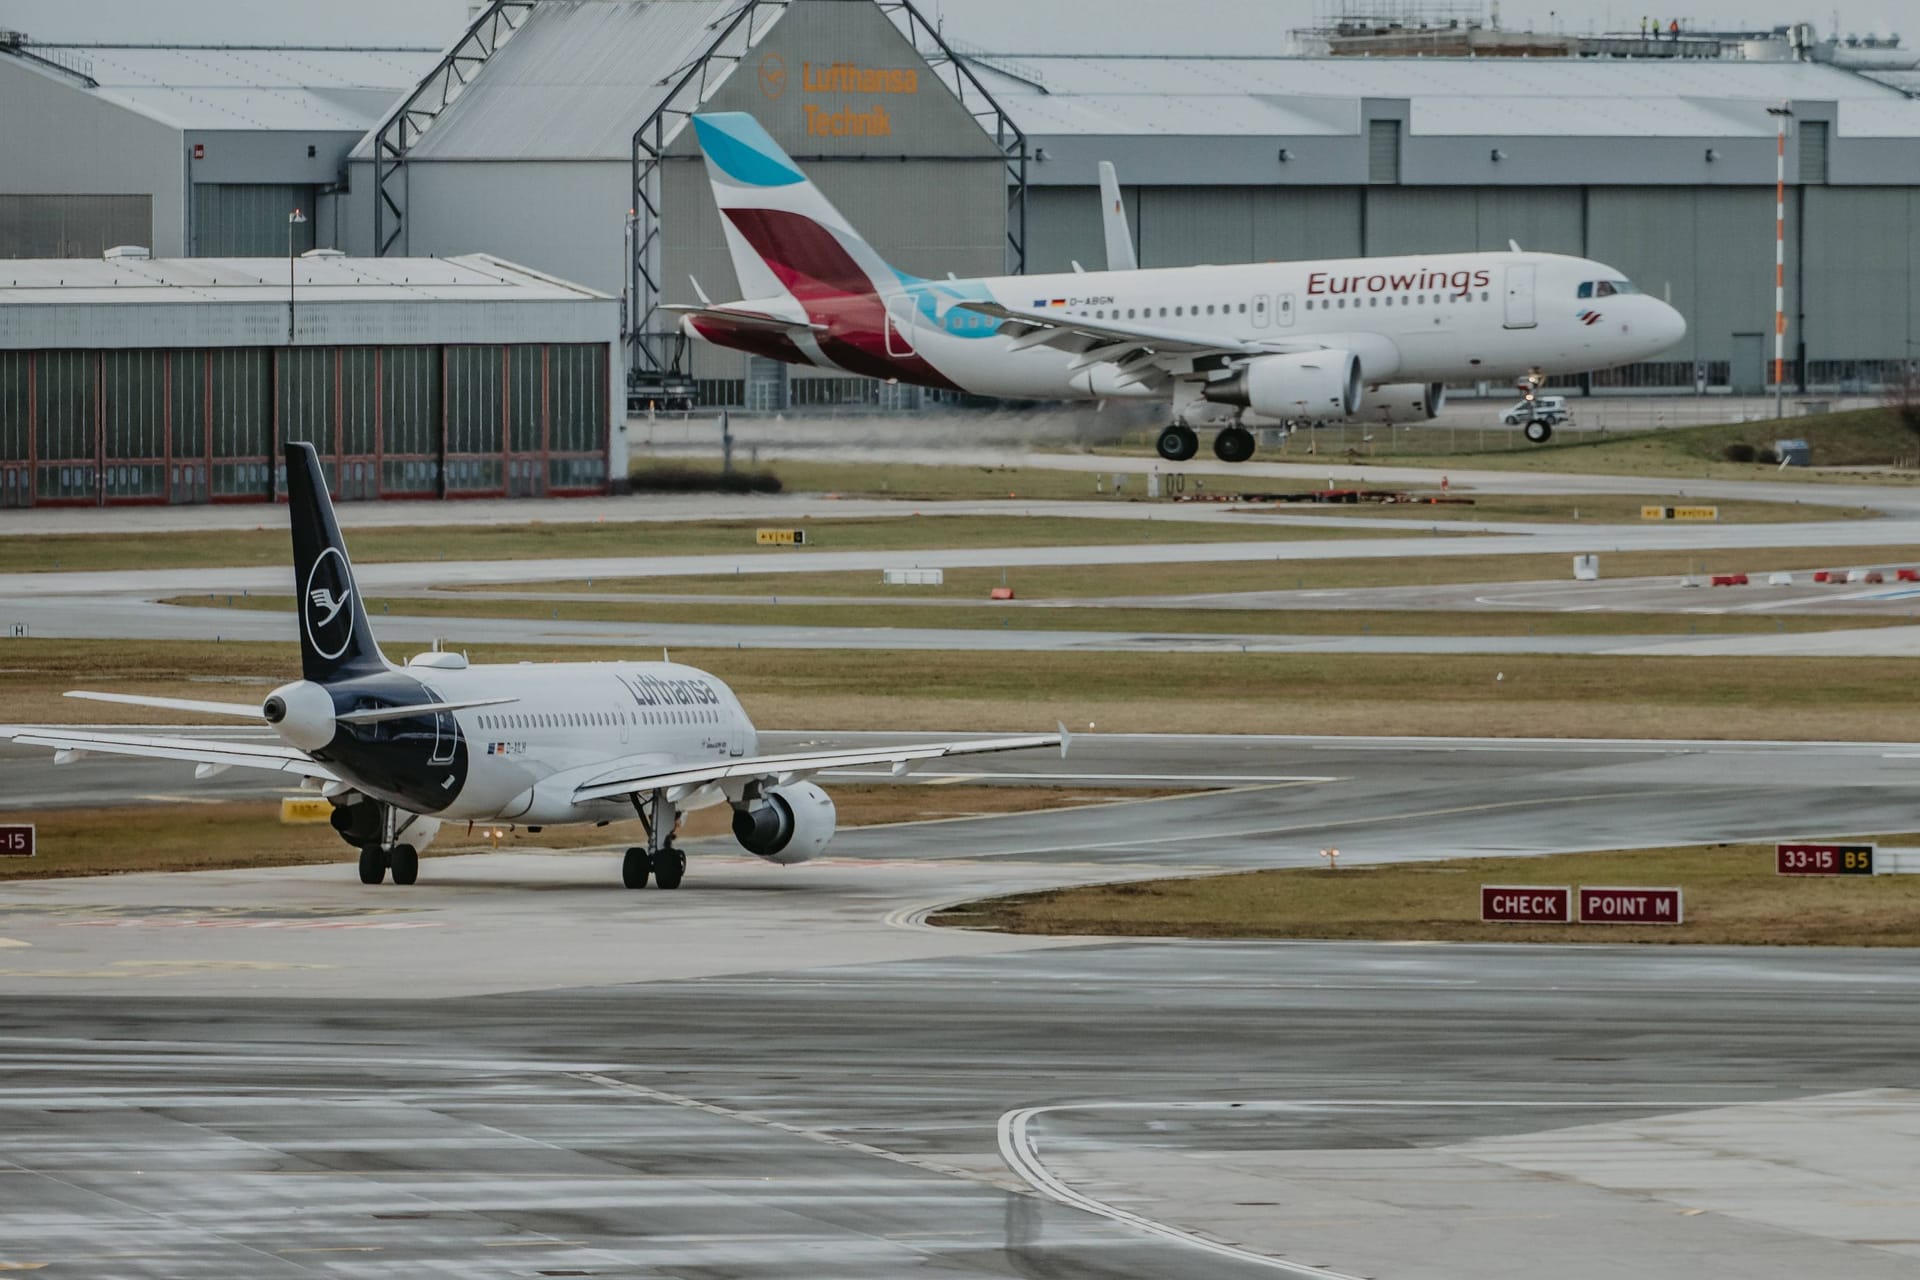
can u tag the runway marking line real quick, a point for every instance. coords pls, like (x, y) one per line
(794, 1130)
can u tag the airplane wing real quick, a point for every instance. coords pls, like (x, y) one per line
(1141, 353)
(791, 767)
(745, 319)
(210, 755)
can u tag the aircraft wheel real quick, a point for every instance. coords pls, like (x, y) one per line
(373, 864)
(1233, 444)
(1539, 432)
(669, 868)
(633, 868)
(1178, 443)
(404, 862)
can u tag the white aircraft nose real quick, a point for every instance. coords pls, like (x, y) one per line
(1669, 326)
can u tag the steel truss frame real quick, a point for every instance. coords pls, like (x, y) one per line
(657, 349)
(407, 122)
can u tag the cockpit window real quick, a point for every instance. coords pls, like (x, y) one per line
(1606, 288)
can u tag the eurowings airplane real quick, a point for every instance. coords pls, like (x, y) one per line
(401, 749)
(1369, 338)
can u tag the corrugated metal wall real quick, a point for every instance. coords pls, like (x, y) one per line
(235, 220)
(72, 226)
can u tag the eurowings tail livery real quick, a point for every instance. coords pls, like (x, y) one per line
(1369, 338)
(399, 750)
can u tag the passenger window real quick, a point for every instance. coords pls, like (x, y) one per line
(1243, 308)
(1209, 308)
(1586, 288)
(1343, 304)
(1484, 295)
(1373, 302)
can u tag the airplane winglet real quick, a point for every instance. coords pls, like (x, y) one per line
(1066, 738)
(698, 292)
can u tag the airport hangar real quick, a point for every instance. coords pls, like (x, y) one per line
(552, 134)
(570, 113)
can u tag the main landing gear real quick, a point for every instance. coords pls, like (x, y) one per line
(1537, 432)
(1177, 443)
(403, 860)
(1180, 442)
(658, 858)
(1233, 444)
(375, 829)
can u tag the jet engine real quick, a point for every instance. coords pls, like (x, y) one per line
(1306, 384)
(785, 824)
(1402, 402)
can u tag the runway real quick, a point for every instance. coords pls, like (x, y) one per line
(514, 1068)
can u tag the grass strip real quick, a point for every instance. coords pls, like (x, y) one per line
(1514, 695)
(1731, 897)
(267, 545)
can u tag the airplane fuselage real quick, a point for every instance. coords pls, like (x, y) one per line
(1421, 318)
(521, 761)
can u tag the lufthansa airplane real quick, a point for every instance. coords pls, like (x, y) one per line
(401, 749)
(1373, 338)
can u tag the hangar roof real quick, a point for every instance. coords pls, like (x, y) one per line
(571, 83)
(1146, 95)
(474, 277)
(242, 87)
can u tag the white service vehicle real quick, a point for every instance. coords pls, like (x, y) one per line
(1539, 415)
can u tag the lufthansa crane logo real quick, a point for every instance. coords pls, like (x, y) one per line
(324, 604)
(773, 75)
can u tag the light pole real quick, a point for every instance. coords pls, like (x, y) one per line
(294, 219)
(1781, 114)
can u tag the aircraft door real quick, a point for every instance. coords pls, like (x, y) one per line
(1283, 309)
(445, 732)
(1261, 315)
(1519, 313)
(900, 309)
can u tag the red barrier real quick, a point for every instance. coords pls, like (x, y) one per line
(1874, 575)
(1002, 593)
(1824, 575)
(1907, 575)
(1729, 579)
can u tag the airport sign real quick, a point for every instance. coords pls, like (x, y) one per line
(1525, 904)
(16, 840)
(1804, 859)
(781, 537)
(1679, 513)
(1623, 904)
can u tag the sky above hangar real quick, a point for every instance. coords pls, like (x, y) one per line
(1032, 26)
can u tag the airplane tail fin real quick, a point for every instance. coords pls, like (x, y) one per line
(784, 235)
(335, 637)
